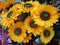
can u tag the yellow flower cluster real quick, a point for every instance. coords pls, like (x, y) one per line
(31, 17)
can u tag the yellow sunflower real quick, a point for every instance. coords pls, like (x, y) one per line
(31, 27)
(26, 39)
(29, 5)
(46, 35)
(45, 15)
(7, 19)
(17, 9)
(17, 32)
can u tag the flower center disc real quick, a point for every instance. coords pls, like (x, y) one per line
(27, 5)
(17, 31)
(9, 14)
(46, 33)
(32, 24)
(45, 15)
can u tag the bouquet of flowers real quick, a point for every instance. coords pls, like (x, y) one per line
(23, 21)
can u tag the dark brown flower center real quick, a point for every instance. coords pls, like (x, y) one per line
(45, 15)
(27, 5)
(17, 31)
(46, 33)
(23, 16)
(9, 14)
(32, 24)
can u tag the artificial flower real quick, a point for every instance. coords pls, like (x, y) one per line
(45, 15)
(46, 35)
(17, 9)
(18, 33)
(28, 6)
(7, 19)
(31, 27)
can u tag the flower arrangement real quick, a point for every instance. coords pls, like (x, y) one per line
(27, 19)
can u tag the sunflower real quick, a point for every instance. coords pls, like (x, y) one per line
(45, 15)
(46, 35)
(31, 27)
(29, 5)
(18, 33)
(26, 39)
(17, 9)
(7, 19)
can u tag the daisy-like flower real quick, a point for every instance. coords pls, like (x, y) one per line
(31, 27)
(46, 35)
(29, 5)
(18, 33)
(26, 39)
(45, 15)
(7, 19)
(17, 9)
